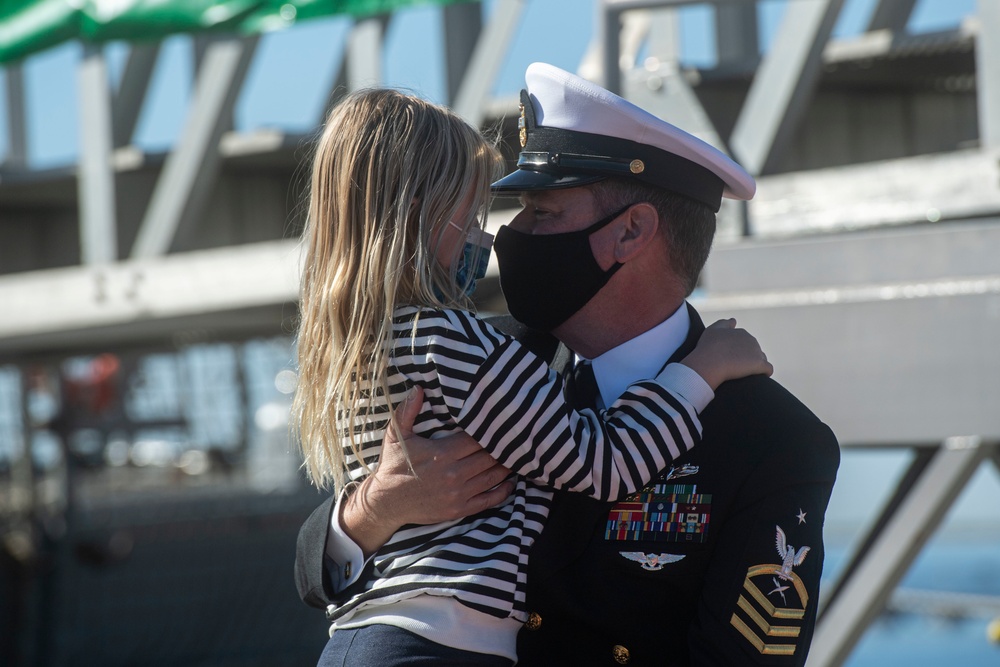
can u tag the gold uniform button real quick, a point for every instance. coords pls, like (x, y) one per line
(534, 621)
(621, 654)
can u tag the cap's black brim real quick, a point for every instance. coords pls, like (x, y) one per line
(526, 180)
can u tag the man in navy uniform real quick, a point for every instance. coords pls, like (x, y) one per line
(718, 560)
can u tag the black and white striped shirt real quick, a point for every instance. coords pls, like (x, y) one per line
(483, 382)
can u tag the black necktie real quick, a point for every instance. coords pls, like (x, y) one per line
(581, 386)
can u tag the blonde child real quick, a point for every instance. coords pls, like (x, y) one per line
(399, 191)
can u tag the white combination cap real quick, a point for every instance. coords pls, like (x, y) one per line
(573, 132)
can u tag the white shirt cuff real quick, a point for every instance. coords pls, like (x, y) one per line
(347, 556)
(684, 381)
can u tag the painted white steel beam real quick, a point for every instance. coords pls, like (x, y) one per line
(665, 35)
(914, 303)
(825, 342)
(463, 24)
(943, 186)
(635, 31)
(96, 182)
(891, 15)
(736, 36)
(61, 305)
(131, 93)
(608, 28)
(132, 300)
(190, 170)
(923, 454)
(863, 597)
(988, 72)
(665, 93)
(784, 82)
(494, 41)
(17, 131)
(619, 35)
(339, 85)
(364, 53)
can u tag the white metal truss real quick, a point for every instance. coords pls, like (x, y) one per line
(191, 167)
(988, 70)
(96, 179)
(784, 82)
(891, 15)
(364, 53)
(736, 34)
(83, 304)
(17, 132)
(139, 66)
(929, 488)
(487, 57)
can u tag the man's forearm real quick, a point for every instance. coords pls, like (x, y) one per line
(361, 520)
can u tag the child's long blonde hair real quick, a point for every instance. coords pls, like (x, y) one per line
(390, 169)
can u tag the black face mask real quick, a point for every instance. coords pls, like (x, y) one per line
(546, 278)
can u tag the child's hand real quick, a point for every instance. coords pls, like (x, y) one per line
(727, 353)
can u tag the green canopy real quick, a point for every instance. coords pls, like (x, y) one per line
(29, 26)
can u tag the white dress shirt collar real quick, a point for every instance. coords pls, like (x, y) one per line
(641, 357)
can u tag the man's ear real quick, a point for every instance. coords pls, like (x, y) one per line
(639, 227)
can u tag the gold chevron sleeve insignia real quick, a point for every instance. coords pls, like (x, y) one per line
(758, 643)
(765, 616)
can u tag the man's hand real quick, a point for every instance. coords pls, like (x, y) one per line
(445, 479)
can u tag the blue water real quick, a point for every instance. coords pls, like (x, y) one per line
(961, 565)
(916, 640)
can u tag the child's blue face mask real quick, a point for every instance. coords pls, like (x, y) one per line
(475, 258)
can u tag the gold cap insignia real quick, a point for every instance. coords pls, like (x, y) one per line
(637, 166)
(522, 128)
